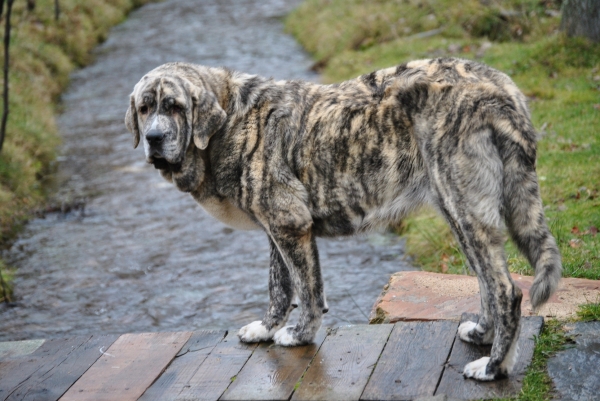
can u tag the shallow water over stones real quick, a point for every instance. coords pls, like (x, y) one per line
(142, 256)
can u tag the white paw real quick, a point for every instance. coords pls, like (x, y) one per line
(255, 332)
(464, 329)
(476, 369)
(285, 337)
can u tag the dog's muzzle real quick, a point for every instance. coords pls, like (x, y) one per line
(155, 138)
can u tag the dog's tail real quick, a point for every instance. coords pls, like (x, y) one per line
(523, 210)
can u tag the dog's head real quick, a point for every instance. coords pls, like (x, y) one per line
(174, 118)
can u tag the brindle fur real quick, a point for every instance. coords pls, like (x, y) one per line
(300, 160)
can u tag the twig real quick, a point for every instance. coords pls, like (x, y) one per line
(426, 34)
(5, 292)
(104, 352)
(6, 63)
(358, 307)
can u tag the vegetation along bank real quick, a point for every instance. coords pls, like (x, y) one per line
(46, 44)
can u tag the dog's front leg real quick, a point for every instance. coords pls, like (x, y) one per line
(299, 251)
(281, 292)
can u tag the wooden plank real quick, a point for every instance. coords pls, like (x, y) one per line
(218, 370)
(128, 367)
(453, 383)
(272, 371)
(342, 367)
(187, 362)
(412, 362)
(50, 370)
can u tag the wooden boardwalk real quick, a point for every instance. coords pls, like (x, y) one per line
(403, 361)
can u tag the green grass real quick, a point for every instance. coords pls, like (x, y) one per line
(42, 54)
(589, 312)
(560, 76)
(537, 384)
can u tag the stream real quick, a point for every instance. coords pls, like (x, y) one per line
(128, 252)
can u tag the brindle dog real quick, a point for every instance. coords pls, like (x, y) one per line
(300, 160)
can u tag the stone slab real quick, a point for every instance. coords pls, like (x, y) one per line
(417, 295)
(574, 371)
(13, 349)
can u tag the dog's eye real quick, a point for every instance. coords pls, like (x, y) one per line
(144, 109)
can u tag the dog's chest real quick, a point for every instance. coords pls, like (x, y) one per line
(227, 213)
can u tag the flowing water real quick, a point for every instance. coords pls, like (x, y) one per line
(131, 253)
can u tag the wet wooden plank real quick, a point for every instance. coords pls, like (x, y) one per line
(218, 370)
(412, 362)
(49, 371)
(342, 367)
(272, 371)
(128, 367)
(454, 385)
(187, 362)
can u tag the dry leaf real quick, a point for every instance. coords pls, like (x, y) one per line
(575, 243)
(575, 230)
(593, 230)
(444, 268)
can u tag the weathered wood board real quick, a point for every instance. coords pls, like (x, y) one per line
(128, 367)
(342, 367)
(51, 369)
(185, 365)
(412, 362)
(218, 370)
(272, 371)
(454, 385)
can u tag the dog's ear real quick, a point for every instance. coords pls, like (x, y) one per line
(131, 121)
(207, 117)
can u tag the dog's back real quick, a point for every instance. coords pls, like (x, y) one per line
(368, 150)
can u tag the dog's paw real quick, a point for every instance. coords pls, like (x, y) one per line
(286, 337)
(465, 330)
(255, 332)
(477, 370)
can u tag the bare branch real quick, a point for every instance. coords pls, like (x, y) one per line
(6, 64)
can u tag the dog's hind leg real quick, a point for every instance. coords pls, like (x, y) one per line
(501, 298)
(466, 177)
(281, 292)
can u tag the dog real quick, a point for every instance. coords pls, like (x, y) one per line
(300, 160)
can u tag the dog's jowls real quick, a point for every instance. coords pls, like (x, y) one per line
(300, 160)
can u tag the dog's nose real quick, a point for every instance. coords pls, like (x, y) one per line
(154, 137)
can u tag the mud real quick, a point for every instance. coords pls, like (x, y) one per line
(141, 256)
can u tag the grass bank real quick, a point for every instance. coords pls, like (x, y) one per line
(43, 52)
(559, 75)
